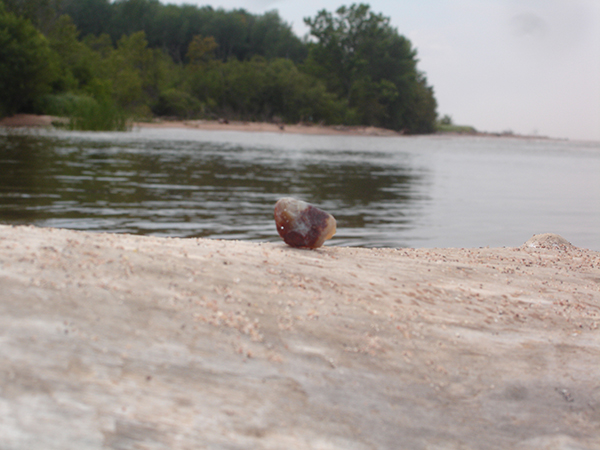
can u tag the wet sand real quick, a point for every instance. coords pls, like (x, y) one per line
(128, 342)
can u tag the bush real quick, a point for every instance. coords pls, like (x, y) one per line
(98, 116)
(62, 105)
(174, 102)
(86, 113)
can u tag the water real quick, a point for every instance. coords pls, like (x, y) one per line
(426, 191)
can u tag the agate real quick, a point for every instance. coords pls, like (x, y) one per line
(301, 224)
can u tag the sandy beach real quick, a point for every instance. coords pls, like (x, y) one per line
(269, 127)
(32, 120)
(41, 121)
(122, 341)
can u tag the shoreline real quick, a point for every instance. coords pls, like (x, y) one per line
(41, 121)
(33, 121)
(118, 340)
(214, 125)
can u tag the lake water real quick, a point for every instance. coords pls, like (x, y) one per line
(424, 191)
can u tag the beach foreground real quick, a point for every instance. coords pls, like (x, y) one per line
(128, 342)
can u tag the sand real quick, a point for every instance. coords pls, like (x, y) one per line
(33, 121)
(129, 342)
(27, 120)
(301, 128)
(40, 121)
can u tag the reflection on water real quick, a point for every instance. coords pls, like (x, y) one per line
(385, 192)
(191, 188)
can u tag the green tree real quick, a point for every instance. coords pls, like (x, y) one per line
(261, 89)
(270, 37)
(77, 62)
(364, 60)
(171, 28)
(201, 49)
(128, 66)
(132, 16)
(230, 30)
(102, 44)
(174, 27)
(41, 13)
(26, 66)
(138, 74)
(90, 16)
(295, 96)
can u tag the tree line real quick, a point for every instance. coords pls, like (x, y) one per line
(141, 58)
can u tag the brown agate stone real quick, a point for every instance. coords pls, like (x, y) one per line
(301, 224)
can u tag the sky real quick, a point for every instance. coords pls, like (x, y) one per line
(526, 66)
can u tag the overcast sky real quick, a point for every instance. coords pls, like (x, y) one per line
(528, 66)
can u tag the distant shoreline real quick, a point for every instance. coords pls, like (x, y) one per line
(300, 128)
(34, 121)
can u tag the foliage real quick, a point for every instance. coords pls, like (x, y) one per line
(135, 73)
(363, 59)
(201, 50)
(62, 105)
(446, 120)
(177, 103)
(447, 125)
(101, 62)
(98, 115)
(41, 13)
(443, 126)
(85, 112)
(92, 17)
(26, 67)
(76, 61)
(270, 37)
(171, 28)
(262, 90)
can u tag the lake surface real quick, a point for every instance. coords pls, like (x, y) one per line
(424, 191)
